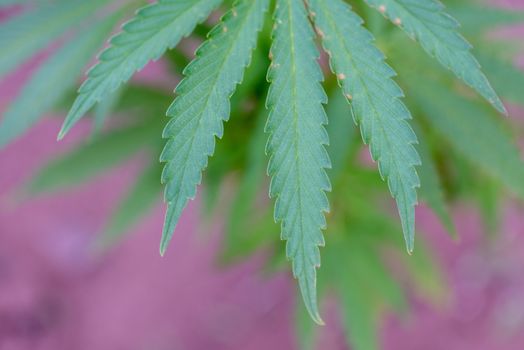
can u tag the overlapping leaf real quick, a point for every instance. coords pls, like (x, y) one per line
(153, 30)
(202, 105)
(431, 185)
(64, 66)
(23, 36)
(296, 144)
(375, 99)
(342, 133)
(471, 16)
(506, 78)
(473, 132)
(427, 22)
(137, 203)
(93, 158)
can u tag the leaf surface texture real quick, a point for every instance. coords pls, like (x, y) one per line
(154, 29)
(202, 105)
(296, 143)
(375, 99)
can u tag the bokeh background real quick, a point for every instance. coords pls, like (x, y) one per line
(56, 292)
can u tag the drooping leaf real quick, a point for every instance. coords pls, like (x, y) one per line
(506, 78)
(104, 109)
(427, 22)
(202, 105)
(92, 158)
(23, 36)
(375, 99)
(354, 270)
(6, 3)
(64, 66)
(136, 204)
(154, 29)
(473, 16)
(342, 133)
(472, 131)
(296, 142)
(243, 212)
(431, 185)
(304, 328)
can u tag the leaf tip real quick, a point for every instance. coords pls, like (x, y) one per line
(318, 320)
(410, 246)
(163, 247)
(62, 133)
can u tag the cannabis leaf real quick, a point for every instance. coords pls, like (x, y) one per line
(23, 36)
(428, 23)
(375, 99)
(342, 133)
(202, 104)
(505, 76)
(36, 96)
(140, 199)
(153, 30)
(7, 3)
(296, 144)
(93, 158)
(473, 17)
(473, 132)
(431, 185)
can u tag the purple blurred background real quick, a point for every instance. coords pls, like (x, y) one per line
(55, 294)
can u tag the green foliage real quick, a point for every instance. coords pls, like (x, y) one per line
(471, 17)
(431, 189)
(428, 23)
(93, 158)
(23, 36)
(202, 105)
(296, 144)
(466, 150)
(474, 133)
(506, 78)
(63, 66)
(136, 204)
(104, 109)
(375, 99)
(154, 29)
(342, 134)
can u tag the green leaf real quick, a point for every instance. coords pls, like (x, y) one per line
(472, 131)
(153, 30)
(506, 78)
(342, 133)
(93, 158)
(427, 22)
(243, 213)
(431, 186)
(7, 3)
(202, 105)
(359, 318)
(473, 16)
(296, 142)
(23, 36)
(64, 66)
(355, 271)
(137, 203)
(375, 99)
(104, 109)
(305, 328)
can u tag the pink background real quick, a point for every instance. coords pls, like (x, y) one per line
(55, 294)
